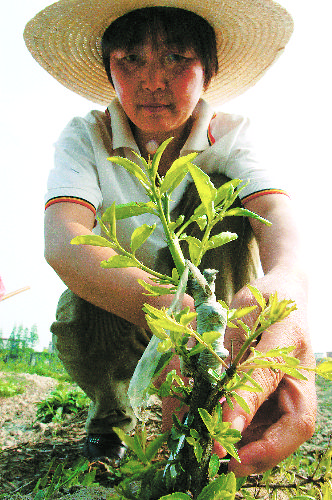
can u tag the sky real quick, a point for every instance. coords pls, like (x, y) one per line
(290, 109)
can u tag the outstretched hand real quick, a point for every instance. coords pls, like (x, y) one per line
(282, 416)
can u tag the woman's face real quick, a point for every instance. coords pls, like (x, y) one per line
(158, 86)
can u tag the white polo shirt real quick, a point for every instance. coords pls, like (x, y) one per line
(83, 174)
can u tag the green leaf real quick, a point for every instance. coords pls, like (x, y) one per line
(324, 369)
(207, 419)
(221, 239)
(133, 443)
(158, 331)
(213, 465)
(176, 173)
(163, 320)
(222, 488)
(239, 313)
(245, 327)
(157, 156)
(176, 496)
(194, 248)
(201, 222)
(154, 445)
(165, 345)
(247, 213)
(241, 401)
(230, 448)
(156, 291)
(131, 167)
(89, 478)
(306, 497)
(210, 337)
(206, 190)
(226, 190)
(123, 211)
(140, 235)
(112, 221)
(258, 296)
(118, 261)
(174, 225)
(92, 239)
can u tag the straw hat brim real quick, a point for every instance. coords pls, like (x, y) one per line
(64, 38)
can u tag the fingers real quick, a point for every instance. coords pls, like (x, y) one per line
(280, 426)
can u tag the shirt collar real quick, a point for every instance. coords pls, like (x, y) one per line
(197, 140)
(122, 136)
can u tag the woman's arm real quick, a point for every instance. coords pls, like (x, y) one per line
(115, 290)
(282, 416)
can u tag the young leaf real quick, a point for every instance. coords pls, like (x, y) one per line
(176, 496)
(226, 190)
(157, 156)
(176, 173)
(222, 488)
(247, 213)
(213, 465)
(125, 210)
(206, 190)
(210, 337)
(140, 235)
(132, 443)
(207, 419)
(241, 402)
(258, 296)
(131, 167)
(221, 239)
(156, 291)
(324, 369)
(165, 345)
(158, 331)
(118, 261)
(163, 320)
(194, 248)
(92, 239)
(154, 445)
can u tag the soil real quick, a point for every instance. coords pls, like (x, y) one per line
(27, 448)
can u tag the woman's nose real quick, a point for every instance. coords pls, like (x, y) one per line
(153, 76)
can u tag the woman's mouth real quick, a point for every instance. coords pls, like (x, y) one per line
(155, 107)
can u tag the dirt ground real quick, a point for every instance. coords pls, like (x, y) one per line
(27, 448)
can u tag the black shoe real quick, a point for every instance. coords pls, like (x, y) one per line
(104, 446)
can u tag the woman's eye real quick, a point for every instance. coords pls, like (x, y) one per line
(131, 58)
(174, 58)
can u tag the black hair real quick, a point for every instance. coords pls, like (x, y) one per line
(181, 28)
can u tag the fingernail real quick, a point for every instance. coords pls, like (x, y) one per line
(238, 423)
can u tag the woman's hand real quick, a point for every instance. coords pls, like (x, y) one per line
(282, 416)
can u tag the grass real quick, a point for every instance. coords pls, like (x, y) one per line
(306, 475)
(10, 385)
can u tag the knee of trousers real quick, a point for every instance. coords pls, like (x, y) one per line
(88, 337)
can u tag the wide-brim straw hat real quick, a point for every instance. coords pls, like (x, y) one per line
(65, 39)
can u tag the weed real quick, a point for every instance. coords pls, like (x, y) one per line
(64, 400)
(10, 386)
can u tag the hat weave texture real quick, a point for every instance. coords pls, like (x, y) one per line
(65, 39)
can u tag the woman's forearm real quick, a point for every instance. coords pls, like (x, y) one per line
(115, 290)
(280, 245)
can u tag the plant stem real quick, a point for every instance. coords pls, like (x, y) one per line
(171, 238)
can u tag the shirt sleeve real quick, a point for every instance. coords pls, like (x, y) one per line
(74, 175)
(234, 155)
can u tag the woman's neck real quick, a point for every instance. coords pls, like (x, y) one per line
(149, 142)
